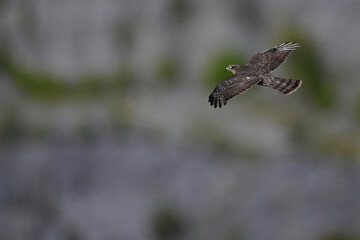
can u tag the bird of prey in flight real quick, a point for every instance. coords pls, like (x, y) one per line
(256, 72)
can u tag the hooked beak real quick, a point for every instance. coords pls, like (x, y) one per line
(227, 69)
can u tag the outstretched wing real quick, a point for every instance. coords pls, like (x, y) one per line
(272, 58)
(231, 87)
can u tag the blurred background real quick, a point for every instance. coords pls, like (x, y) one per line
(106, 132)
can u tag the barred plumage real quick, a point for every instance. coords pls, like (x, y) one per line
(285, 86)
(257, 71)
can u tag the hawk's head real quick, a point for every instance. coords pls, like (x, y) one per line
(233, 68)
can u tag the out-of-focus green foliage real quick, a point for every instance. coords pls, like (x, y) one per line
(306, 64)
(122, 80)
(39, 132)
(205, 134)
(94, 84)
(215, 67)
(89, 84)
(344, 146)
(121, 114)
(85, 132)
(167, 224)
(46, 86)
(167, 70)
(298, 132)
(357, 107)
(40, 84)
(10, 127)
(339, 236)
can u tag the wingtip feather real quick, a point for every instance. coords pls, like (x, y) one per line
(288, 46)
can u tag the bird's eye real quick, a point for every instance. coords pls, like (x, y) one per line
(230, 67)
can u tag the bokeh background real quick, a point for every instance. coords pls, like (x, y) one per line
(106, 132)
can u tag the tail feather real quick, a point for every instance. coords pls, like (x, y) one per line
(285, 86)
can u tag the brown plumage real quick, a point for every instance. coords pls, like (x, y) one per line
(257, 71)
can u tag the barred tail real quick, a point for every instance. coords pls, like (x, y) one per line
(285, 86)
